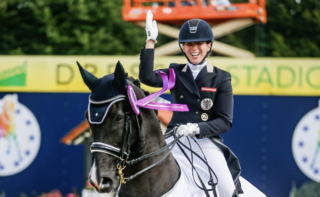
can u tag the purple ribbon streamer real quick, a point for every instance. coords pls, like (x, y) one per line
(167, 106)
(167, 85)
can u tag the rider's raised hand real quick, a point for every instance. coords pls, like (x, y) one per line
(151, 27)
(188, 129)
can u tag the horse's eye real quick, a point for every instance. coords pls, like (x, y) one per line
(119, 118)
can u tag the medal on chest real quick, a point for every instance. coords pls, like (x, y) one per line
(206, 104)
(204, 116)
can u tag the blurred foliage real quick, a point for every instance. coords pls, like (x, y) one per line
(85, 27)
(67, 27)
(291, 30)
(308, 189)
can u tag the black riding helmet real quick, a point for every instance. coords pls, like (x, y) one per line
(195, 30)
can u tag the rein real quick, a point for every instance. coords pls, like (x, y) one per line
(210, 182)
(123, 153)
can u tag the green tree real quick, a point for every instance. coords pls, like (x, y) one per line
(291, 30)
(308, 189)
(67, 27)
(85, 27)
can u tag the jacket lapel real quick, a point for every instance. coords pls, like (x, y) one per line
(186, 77)
(205, 74)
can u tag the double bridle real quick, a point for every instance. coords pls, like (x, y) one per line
(123, 152)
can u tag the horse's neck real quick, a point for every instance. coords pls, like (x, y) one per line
(157, 180)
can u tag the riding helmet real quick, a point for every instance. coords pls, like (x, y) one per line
(195, 30)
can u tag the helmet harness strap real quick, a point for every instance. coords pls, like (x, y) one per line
(202, 59)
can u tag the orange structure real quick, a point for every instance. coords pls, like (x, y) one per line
(179, 11)
(225, 18)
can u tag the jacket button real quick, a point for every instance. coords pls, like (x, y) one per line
(198, 100)
(181, 96)
(197, 112)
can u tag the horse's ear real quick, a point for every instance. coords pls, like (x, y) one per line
(88, 78)
(119, 80)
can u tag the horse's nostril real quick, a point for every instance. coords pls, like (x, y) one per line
(106, 183)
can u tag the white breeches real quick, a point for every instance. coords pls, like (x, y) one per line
(215, 159)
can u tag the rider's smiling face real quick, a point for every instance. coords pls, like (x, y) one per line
(196, 51)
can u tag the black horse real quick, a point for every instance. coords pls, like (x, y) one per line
(127, 148)
(129, 152)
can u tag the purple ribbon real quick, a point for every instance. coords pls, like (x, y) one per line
(146, 102)
(166, 106)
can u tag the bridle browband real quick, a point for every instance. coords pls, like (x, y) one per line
(123, 152)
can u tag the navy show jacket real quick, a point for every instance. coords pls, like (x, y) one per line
(189, 91)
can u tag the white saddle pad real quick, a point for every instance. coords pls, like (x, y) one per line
(185, 186)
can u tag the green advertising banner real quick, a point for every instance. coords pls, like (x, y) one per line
(256, 76)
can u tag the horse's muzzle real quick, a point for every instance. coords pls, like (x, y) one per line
(103, 182)
(106, 185)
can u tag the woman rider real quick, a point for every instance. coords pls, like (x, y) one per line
(206, 90)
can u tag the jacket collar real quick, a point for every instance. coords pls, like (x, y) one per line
(210, 68)
(185, 75)
(205, 75)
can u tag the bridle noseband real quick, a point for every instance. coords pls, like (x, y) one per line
(106, 148)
